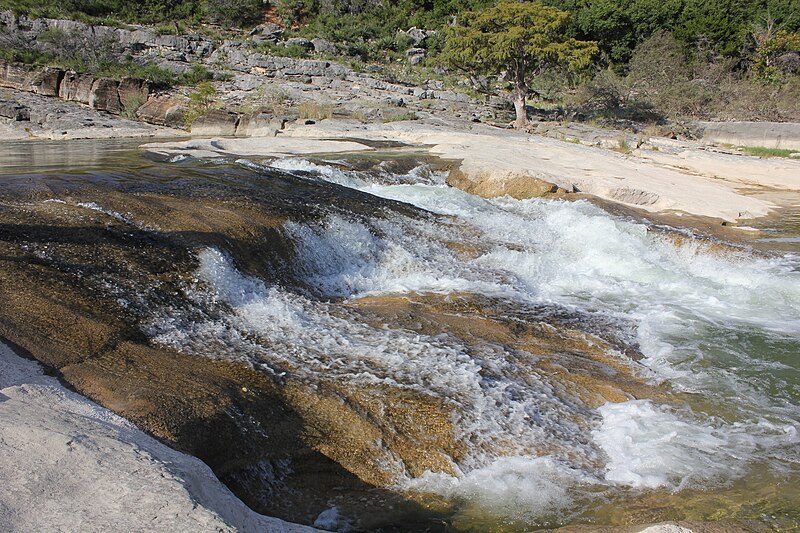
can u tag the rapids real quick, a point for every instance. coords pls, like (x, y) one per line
(575, 367)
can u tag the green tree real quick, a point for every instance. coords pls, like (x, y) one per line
(518, 39)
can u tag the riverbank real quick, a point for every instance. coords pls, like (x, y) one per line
(659, 176)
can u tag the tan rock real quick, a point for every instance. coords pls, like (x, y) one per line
(76, 87)
(164, 111)
(104, 96)
(216, 122)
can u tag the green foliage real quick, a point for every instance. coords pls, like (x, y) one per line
(521, 39)
(110, 11)
(760, 151)
(201, 101)
(399, 117)
(768, 46)
(197, 74)
(131, 104)
(233, 13)
(203, 96)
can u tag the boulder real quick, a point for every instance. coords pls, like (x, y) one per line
(259, 124)
(164, 111)
(46, 81)
(267, 31)
(217, 122)
(15, 111)
(105, 96)
(323, 46)
(302, 42)
(788, 62)
(14, 75)
(133, 91)
(76, 87)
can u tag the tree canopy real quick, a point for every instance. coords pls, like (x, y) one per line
(518, 39)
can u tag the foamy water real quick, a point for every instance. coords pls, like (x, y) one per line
(723, 326)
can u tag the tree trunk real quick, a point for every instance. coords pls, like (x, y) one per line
(521, 91)
(519, 107)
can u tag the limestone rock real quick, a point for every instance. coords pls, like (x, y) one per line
(76, 87)
(164, 111)
(46, 81)
(520, 186)
(105, 96)
(216, 122)
(259, 124)
(323, 46)
(302, 42)
(15, 111)
(133, 90)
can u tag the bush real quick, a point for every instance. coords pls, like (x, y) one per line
(131, 104)
(234, 12)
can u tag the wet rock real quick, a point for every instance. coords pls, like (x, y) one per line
(85, 305)
(520, 186)
(216, 122)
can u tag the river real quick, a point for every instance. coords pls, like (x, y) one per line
(578, 367)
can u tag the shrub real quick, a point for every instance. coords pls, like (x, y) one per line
(234, 12)
(131, 104)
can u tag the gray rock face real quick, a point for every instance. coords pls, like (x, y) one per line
(120, 41)
(764, 134)
(302, 42)
(323, 46)
(15, 111)
(267, 32)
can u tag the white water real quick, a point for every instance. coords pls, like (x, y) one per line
(723, 325)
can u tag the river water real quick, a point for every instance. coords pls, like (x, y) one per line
(710, 331)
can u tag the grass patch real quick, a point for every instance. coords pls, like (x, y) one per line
(409, 115)
(315, 110)
(760, 151)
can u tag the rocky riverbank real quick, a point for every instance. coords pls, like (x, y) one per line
(660, 175)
